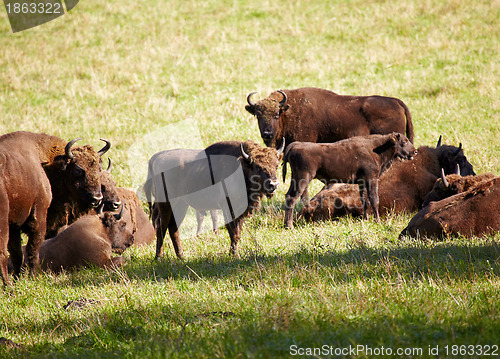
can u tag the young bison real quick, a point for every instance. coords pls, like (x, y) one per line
(90, 241)
(360, 160)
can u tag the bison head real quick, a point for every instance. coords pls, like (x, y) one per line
(261, 165)
(403, 148)
(450, 156)
(268, 113)
(79, 172)
(121, 237)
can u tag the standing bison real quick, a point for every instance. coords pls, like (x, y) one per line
(360, 160)
(33, 167)
(316, 115)
(232, 176)
(402, 188)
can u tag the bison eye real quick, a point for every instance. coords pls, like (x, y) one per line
(78, 172)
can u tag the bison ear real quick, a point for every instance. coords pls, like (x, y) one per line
(284, 108)
(382, 148)
(250, 109)
(60, 163)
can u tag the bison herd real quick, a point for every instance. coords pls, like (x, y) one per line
(360, 147)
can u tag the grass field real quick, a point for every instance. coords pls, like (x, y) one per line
(149, 74)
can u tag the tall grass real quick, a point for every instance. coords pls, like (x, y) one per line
(124, 69)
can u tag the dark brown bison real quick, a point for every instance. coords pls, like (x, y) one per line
(90, 241)
(452, 184)
(232, 176)
(36, 168)
(360, 160)
(402, 188)
(470, 213)
(111, 200)
(137, 220)
(79, 190)
(317, 115)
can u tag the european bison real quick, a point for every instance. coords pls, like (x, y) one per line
(34, 167)
(402, 188)
(76, 193)
(90, 241)
(360, 160)
(452, 184)
(212, 181)
(470, 213)
(137, 220)
(316, 115)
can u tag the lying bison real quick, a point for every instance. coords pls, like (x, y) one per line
(402, 188)
(90, 241)
(470, 213)
(33, 168)
(232, 176)
(360, 160)
(316, 115)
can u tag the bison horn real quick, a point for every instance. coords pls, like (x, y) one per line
(443, 178)
(110, 165)
(245, 156)
(457, 172)
(458, 150)
(67, 149)
(282, 147)
(249, 98)
(282, 102)
(105, 148)
(119, 215)
(439, 141)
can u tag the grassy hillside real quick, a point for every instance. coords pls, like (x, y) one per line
(152, 75)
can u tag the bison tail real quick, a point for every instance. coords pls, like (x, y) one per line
(409, 122)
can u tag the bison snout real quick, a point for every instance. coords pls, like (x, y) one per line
(270, 186)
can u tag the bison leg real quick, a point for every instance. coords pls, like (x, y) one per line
(179, 212)
(213, 214)
(234, 230)
(15, 249)
(200, 215)
(37, 224)
(4, 240)
(373, 197)
(161, 217)
(362, 188)
(297, 188)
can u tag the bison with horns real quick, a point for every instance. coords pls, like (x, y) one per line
(317, 115)
(35, 168)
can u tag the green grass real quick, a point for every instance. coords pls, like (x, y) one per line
(182, 69)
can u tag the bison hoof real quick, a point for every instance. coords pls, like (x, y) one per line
(288, 225)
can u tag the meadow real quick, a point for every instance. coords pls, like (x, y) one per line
(156, 74)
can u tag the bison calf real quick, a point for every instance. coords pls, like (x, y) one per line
(360, 160)
(90, 241)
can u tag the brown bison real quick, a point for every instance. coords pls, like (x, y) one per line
(34, 167)
(452, 184)
(137, 220)
(360, 160)
(231, 175)
(470, 213)
(316, 115)
(402, 188)
(90, 241)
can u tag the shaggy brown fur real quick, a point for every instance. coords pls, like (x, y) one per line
(360, 160)
(259, 171)
(317, 115)
(456, 184)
